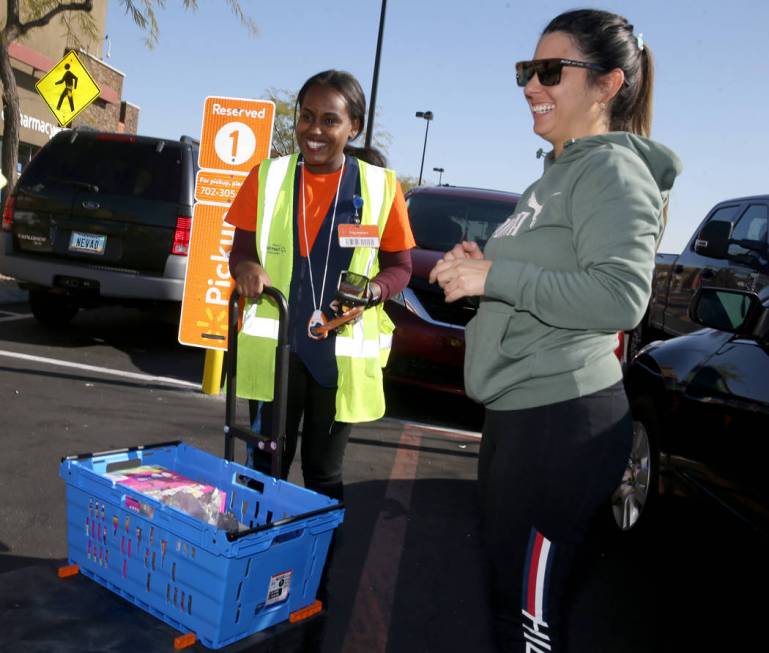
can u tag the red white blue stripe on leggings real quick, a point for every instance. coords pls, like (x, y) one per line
(536, 579)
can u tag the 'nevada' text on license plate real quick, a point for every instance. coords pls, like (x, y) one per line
(83, 242)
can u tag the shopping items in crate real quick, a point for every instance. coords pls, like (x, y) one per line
(200, 500)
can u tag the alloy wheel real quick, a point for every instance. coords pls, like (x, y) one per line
(629, 499)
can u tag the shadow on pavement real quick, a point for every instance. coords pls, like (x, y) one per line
(145, 336)
(436, 408)
(429, 591)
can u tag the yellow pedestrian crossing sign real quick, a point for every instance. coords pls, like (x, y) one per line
(68, 88)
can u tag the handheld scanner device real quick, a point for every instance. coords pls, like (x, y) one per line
(352, 289)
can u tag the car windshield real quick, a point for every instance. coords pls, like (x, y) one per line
(440, 222)
(113, 167)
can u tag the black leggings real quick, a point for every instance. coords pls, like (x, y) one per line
(544, 473)
(323, 438)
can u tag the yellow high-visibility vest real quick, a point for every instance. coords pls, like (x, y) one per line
(362, 348)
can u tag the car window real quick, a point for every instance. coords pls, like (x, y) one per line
(143, 170)
(752, 226)
(441, 222)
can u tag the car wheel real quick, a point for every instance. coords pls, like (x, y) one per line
(51, 309)
(640, 481)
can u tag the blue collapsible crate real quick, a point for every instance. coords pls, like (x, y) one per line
(221, 586)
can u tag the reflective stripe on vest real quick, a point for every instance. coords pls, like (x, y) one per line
(361, 349)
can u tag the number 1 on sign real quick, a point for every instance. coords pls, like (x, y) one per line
(234, 137)
(234, 143)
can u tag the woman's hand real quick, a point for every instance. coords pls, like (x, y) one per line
(465, 249)
(462, 271)
(461, 277)
(250, 279)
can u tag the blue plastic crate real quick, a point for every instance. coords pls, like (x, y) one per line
(185, 571)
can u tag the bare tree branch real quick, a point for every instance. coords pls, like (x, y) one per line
(246, 21)
(145, 18)
(86, 5)
(11, 29)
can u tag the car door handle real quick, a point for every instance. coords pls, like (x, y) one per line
(707, 273)
(91, 206)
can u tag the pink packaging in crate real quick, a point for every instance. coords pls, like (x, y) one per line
(200, 500)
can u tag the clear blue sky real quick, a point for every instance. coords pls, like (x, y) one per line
(456, 59)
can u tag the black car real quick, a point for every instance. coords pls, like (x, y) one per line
(98, 218)
(701, 410)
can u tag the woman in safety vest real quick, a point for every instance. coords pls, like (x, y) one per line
(301, 220)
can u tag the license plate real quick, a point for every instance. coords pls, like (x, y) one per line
(90, 243)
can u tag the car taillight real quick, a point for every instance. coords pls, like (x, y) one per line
(10, 207)
(181, 244)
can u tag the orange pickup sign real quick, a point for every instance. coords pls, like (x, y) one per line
(236, 136)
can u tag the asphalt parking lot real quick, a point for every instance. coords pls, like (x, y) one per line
(408, 574)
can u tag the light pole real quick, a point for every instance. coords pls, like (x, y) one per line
(440, 172)
(375, 81)
(428, 116)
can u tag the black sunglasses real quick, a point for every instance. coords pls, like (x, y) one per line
(548, 70)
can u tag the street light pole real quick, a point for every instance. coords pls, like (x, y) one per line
(440, 172)
(375, 81)
(428, 116)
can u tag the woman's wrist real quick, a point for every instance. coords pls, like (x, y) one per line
(374, 293)
(245, 266)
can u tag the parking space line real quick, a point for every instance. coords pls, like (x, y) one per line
(369, 624)
(442, 430)
(100, 370)
(10, 317)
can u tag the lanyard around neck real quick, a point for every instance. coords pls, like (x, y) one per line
(319, 303)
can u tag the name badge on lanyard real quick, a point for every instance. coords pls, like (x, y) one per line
(358, 235)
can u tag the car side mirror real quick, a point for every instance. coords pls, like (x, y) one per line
(733, 311)
(713, 240)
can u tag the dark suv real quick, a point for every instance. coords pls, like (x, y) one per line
(100, 218)
(429, 343)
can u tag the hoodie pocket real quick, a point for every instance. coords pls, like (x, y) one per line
(490, 369)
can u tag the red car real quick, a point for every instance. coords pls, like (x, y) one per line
(429, 343)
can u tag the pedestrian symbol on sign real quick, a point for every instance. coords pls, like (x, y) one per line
(70, 84)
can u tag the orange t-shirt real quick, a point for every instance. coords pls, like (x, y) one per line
(319, 192)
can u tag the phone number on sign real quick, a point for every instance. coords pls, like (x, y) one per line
(208, 191)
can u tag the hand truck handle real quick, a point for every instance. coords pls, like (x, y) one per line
(276, 442)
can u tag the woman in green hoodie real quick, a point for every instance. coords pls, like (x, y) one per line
(557, 281)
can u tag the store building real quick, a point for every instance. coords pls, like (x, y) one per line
(37, 53)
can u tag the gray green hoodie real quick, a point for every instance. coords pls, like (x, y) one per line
(571, 267)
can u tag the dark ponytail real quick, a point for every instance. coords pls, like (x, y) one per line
(347, 86)
(608, 40)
